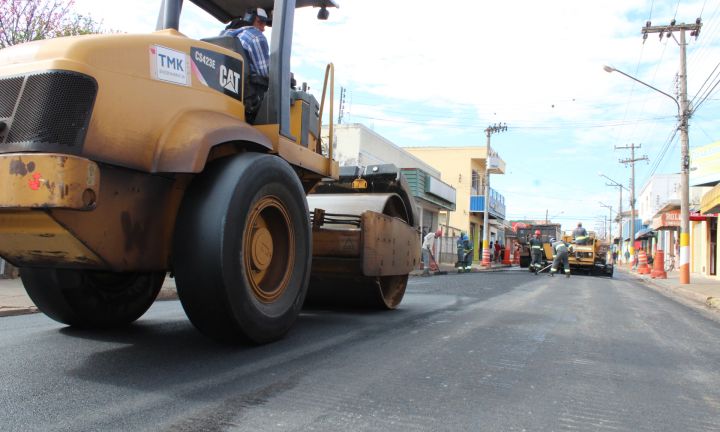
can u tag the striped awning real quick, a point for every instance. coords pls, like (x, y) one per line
(710, 202)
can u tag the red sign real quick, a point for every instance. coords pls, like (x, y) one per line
(697, 216)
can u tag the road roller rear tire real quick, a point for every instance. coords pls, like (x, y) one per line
(91, 299)
(242, 249)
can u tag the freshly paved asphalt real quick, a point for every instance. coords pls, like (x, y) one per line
(481, 351)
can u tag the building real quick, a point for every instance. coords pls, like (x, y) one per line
(704, 208)
(464, 169)
(356, 144)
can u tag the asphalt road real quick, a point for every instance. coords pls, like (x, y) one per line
(498, 351)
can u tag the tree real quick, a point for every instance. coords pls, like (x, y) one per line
(29, 20)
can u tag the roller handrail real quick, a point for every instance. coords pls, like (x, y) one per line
(329, 72)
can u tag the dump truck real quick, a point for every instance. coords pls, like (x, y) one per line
(526, 231)
(125, 158)
(590, 258)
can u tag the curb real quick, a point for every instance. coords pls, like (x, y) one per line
(453, 270)
(6, 311)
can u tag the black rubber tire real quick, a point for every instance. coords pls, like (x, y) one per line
(91, 299)
(242, 249)
(524, 261)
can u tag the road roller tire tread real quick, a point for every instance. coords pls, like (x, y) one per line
(91, 299)
(242, 249)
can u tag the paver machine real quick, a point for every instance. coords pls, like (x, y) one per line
(590, 258)
(125, 157)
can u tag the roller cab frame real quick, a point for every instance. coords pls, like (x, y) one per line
(127, 156)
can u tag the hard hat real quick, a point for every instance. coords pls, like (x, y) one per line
(537, 232)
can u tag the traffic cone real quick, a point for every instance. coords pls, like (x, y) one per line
(658, 271)
(486, 258)
(506, 255)
(643, 267)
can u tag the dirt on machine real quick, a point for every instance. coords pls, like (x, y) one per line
(127, 157)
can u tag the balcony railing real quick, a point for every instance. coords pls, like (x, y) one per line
(496, 207)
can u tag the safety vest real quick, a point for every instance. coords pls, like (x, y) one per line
(560, 247)
(536, 244)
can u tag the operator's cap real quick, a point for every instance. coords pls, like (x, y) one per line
(262, 15)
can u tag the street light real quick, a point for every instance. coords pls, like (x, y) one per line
(683, 118)
(609, 207)
(610, 69)
(632, 218)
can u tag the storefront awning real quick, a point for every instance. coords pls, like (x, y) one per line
(710, 202)
(644, 233)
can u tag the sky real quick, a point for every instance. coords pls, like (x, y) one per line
(424, 73)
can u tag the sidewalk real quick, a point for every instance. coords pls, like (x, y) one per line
(701, 290)
(15, 301)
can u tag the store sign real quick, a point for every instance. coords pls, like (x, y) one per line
(440, 189)
(697, 216)
(667, 220)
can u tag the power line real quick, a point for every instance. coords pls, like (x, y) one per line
(568, 125)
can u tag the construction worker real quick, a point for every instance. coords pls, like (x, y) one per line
(580, 234)
(560, 250)
(464, 253)
(426, 250)
(536, 251)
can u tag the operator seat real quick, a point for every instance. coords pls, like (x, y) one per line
(233, 44)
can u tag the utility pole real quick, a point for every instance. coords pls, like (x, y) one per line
(631, 161)
(620, 188)
(496, 128)
(609, 230)
(684, 114)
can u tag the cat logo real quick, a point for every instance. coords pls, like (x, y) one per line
(229, 79)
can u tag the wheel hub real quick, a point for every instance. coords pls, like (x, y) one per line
(262, 249)
(269, 242)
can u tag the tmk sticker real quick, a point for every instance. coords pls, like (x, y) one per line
(169, 65)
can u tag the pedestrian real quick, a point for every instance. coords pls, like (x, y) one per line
(627, 256)
(427, 248)
(468, 252)
(249, 30)
(560, 249)
(614, 253)
(491, 249)
(536, 251)
(498, 250)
